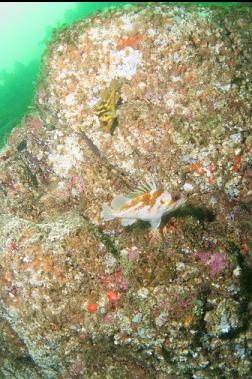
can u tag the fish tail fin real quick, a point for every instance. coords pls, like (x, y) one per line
(107, 212)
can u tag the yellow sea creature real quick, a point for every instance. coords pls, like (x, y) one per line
(106, 108)
(146, 203)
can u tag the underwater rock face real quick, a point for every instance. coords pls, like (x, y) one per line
(126, 96)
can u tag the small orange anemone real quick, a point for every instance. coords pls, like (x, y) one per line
(92, 307)
(132, 42)
(113, 296)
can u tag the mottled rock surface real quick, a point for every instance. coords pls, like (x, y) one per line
(133, 94)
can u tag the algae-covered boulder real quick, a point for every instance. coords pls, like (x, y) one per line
(128, 96)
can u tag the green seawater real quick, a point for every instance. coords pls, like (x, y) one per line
(25, 29)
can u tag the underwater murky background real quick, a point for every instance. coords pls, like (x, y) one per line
(25, 29)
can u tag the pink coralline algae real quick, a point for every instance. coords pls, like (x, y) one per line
(190, 116)
(133, 254)
(184, 303)
(78, 183)
(77, 369)
(12, 246)
(217, 262)
(115, 280)
(120, 281)
(204, 256)
(109, 318)
(41, 96)
(35, 123)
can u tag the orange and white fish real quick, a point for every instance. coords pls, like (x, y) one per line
(145, 203)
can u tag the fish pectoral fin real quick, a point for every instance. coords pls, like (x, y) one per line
(107, 212)
(155, 223)
(119, 201)
(128, 221)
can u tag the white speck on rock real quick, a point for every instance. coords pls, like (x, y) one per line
(93, 101)
(125, 62)
(143, 293)
(70, 99)
(176, 78)
(188, 187)
(67, 156)
(236, 138)
(180, 266)
(110, 262)
(126, 22)
(237, 271)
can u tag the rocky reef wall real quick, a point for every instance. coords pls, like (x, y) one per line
(140, 93)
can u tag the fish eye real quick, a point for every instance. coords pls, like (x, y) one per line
(175, 197)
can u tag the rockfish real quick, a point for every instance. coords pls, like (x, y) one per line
(145, 203)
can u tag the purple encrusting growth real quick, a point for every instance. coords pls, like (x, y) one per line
(203, 256)
(217, 262)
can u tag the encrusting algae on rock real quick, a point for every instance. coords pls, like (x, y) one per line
(148, 204)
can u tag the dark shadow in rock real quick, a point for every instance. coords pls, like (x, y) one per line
(200, 214)
(138, 226)
(114, 126)
(22, 145)
(246, 286)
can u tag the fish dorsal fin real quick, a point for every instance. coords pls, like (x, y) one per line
(142, 189)
(119, 201)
